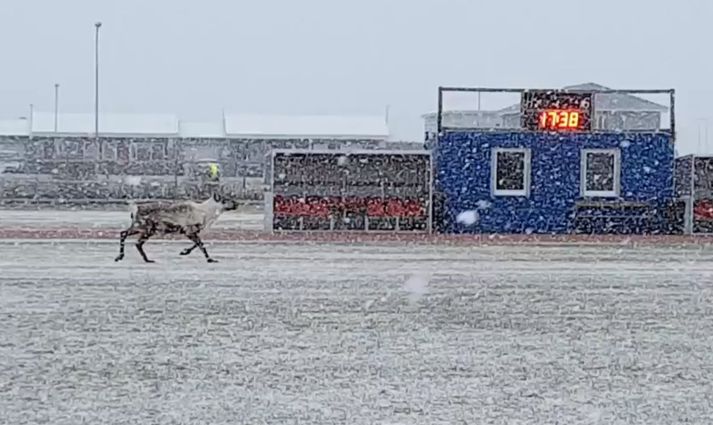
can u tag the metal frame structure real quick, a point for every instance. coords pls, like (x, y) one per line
(691, 197)
(270, 176)
(441, 129)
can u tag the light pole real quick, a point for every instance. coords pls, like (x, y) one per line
(96, 87)
(56, 105)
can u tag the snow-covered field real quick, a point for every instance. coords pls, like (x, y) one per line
(355, 334)
(247, 218)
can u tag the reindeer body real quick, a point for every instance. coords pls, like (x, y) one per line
(188, 218)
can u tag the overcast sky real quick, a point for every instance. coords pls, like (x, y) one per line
(194, 58)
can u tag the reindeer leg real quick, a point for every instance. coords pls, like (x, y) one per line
(188, 231)
(122, 240)
(140, 246)
(188, 250)
(197, 240)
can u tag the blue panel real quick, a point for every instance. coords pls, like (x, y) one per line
(463, 171)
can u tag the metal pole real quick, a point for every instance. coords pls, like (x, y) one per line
(439, 118)
(672, 105)
(96, 80)
(99, 146)
(31, 122)
(690, 205)
(56, 105)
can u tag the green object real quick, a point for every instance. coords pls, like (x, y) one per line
(214, 171)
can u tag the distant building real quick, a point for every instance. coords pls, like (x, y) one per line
(161, 144)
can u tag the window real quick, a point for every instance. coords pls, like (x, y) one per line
(48, 151)
(109, 150)
(91, 150)
(122, 152)
(70, 149)
(510, 171)
(142, 151)
(158, 150)
(600, 175)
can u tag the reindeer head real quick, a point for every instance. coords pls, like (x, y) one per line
(227, 204)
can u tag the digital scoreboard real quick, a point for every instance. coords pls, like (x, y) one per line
(552, 110)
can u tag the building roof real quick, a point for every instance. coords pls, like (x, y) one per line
(309, 126)
(231, 125)
(617, 101)
(472, 112)
(17, 127)
(109, 124)
(605, 101)
(195, 129)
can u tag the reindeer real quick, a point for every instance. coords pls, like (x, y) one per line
(186, 218)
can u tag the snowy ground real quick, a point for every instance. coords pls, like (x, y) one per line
(365, 334)
(247, 218)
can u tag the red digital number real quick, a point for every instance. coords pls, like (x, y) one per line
(574, 119)
(559, 119)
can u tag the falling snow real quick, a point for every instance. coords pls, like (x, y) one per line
(363, 332)
(467, 217)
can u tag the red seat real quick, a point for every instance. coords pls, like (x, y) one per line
(394, 208)
(414, 208)
(375, 207)
(703, 210)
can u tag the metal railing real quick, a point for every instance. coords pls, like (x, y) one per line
(446, 89)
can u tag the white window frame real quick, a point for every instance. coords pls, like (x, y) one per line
(494, 172)
(617, 174)
(134, 147)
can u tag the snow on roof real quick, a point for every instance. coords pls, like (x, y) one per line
(618, 101)
(470, 112)
(201, 129)
(233, 125)
(17, 127)
(109, 124)
(309, 126)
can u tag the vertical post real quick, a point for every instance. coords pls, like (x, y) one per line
(245, 173)
(690, 205)
(30, 121)
(176, 165)
(96, 88)
(430, 192)
(436, 209)
(439, 122)
(56, 105)
(673, 116)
